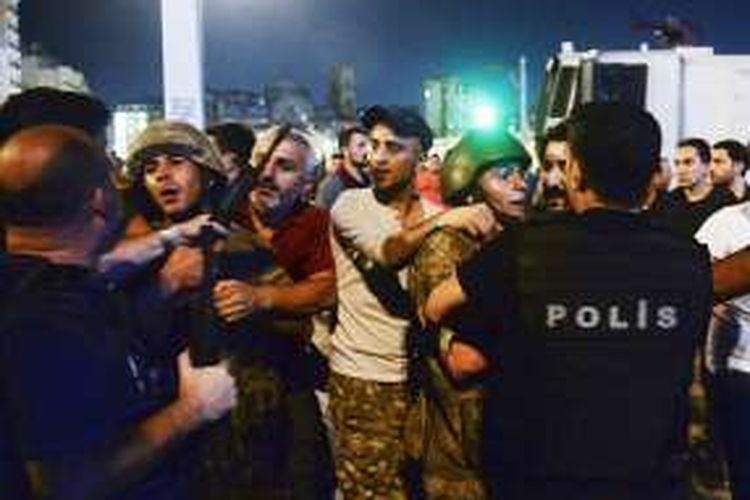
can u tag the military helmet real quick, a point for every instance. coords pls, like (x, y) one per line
(176, 138)
(476, 152)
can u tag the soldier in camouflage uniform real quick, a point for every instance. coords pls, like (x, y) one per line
(375, 232)
(273, 445)
(444, 426)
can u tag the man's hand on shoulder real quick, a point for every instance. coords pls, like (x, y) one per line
(478, 220)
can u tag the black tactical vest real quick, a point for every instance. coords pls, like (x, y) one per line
(595, 352)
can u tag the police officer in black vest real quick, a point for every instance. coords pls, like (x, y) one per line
(588, 327)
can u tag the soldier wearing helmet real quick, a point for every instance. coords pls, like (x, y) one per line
(444, 428)
(175, 177)
(572, 307)
(488, 167)
(269, 278)
(176, 172)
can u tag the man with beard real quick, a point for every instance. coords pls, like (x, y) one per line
(375, 231)
(354, 146)
(76, 419)
(554, 152)
(297, 235)
(444, 426)
(728, 167)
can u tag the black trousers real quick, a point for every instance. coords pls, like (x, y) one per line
(730, 408)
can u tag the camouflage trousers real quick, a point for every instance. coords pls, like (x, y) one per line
(443, 436)
(243, 455)
(272, 446)
(368, 418)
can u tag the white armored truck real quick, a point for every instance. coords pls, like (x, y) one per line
(692, 91)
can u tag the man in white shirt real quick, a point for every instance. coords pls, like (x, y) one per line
(728, 348)
(375, 232)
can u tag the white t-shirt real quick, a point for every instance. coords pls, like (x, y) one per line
(726, 232)
(368, 342)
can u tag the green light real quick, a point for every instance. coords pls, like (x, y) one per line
(484, 116)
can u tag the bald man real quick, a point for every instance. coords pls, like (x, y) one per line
(74, 418)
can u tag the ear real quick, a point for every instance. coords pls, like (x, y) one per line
(574, 175)
(97, 202)
(649, 194)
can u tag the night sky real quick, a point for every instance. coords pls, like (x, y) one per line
(393, 44)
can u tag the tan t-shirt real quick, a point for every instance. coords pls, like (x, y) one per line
(368, 343)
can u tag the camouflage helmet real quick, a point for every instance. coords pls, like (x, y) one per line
(177, 138)
(476, 152)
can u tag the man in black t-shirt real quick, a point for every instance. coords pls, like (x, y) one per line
(592, 321)
(74, 422)
(728, 167)
(686, 208)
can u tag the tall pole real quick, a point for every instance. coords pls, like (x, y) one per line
(524, 100)
(182, 60)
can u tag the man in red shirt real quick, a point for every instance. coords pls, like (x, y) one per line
(297, 234)
(272, 279)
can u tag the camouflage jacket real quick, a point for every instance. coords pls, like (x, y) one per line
(443, 426)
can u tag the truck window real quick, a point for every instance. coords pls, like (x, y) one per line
(620, 82)
(562, 92)
(540, 115)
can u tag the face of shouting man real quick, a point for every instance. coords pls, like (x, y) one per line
(283, 181)
(173, 182)
(504, 189)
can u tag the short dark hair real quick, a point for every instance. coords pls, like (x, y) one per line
(44, 105)
(77, 168)
(346, 135)
(700, 145)
(735, 150)
(618, 146)
(233, 137)
(558, 133)
(403, 121)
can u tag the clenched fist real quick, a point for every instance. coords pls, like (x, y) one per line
(210, 391)
(234, 300)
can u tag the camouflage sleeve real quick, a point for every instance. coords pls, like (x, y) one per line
(436, 260)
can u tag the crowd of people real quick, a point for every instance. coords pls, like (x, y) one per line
(212, 318)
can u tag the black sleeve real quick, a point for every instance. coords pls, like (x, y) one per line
(471, 327)
(65, 387)
(487, 281)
